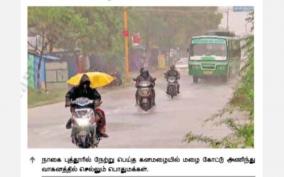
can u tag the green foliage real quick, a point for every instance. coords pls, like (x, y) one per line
(91, 29)
(104, 29)
(56, 26)
(244, 95)
(247, 132)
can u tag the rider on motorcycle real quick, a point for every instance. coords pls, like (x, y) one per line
(172, 72)
(84, 90)
(145, 76)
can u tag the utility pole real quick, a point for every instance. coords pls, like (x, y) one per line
(227, 27)
(126, 38)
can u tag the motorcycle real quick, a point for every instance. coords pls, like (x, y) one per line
(84, 125)
(144, 91)
(118, 80)
(172, 86)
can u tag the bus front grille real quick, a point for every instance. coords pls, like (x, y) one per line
(208, 66)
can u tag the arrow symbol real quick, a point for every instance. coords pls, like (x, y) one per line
(32, 159)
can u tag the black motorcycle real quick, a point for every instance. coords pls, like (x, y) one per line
(172, 88)
(144, 92)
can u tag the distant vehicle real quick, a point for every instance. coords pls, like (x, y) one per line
(172, 88)
(118, 80)
(144, 90)
(182, 63)
(214, 54)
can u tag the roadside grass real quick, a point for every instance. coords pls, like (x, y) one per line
(53, 95)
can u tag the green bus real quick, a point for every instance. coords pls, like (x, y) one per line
(214, 55)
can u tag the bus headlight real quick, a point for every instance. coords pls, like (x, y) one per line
(194, 66)
(222, 67)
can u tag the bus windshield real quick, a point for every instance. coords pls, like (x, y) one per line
(209, 49)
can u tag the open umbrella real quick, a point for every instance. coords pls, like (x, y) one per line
(97, 79)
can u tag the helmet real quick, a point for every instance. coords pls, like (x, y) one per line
(141, 70)
(145, 73)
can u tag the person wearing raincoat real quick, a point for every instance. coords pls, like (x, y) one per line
(174, 73)
(84, 90)
(145, 76)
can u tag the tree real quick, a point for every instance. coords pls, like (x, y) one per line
(104, 38)
(88, 29)
(172, 26)
(54, 25)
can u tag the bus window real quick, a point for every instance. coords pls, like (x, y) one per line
(209, 49)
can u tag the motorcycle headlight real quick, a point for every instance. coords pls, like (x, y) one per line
(84, 113)
(171, 79)
(83, 122)
(81, 113)
(144, 92)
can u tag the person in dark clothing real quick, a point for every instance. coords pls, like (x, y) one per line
(145, 76)
(172, 72)
(84, 90)
(138, 77)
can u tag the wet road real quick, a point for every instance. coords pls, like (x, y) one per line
(128, 127)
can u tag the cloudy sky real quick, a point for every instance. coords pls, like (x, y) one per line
(237, 22)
